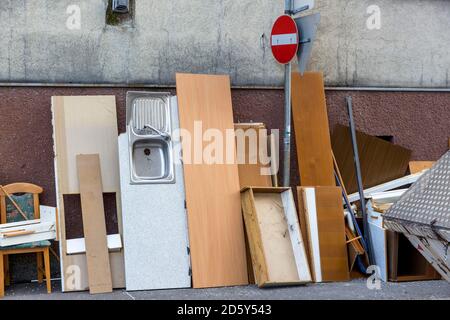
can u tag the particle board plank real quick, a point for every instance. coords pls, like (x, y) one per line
(94, 226)
(324, 219)
(380, 160)
(252, 172)
(277, 248)
(85, 124)
(250, 143)
(418, 166)
(216, 230)
(312, 134)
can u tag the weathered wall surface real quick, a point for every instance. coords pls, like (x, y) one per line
(227, 36)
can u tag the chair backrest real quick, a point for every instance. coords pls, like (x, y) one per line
(26, 196)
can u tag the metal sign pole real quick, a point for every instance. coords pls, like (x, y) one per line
(287, 113)
(287, 125)
(359, 179)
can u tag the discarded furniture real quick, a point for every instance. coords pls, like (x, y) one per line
(17, 199)
(85, 125)
(322, 214)
(94, 226)
(276, 244)
(312, 135)
(250, 144)
(390, 185)
(394, 255)
(216, 228)
(153, 210)
(423, 215)
(381, 161)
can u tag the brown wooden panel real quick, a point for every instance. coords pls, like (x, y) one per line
(380, 160)
(94, 227)
(250, 171)
(418, 166)
(216, 229)
(312, 134)
(332, 239)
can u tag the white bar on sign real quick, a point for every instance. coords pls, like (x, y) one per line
(284, 39)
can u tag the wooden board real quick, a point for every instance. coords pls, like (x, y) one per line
(85, 125)
(94, 226)
(250, 171)
(312, 133)
(381, 161)
(418, 166)
(216, 230)
(277, 249)
(324, 219)
(406, 263)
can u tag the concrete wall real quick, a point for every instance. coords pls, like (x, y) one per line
(226, 36)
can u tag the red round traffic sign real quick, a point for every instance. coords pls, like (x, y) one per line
(284, 39)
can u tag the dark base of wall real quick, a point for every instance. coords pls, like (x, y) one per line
(418, 121)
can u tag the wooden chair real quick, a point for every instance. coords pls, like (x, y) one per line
(26, 196)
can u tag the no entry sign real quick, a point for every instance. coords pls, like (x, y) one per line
(284, 39)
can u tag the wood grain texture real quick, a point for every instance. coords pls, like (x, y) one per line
(277, 260)
(380, 160)
(418, 166)
(94, 226)
(332, 239)
(325, 225)
(250, 171)
(312, 134)
(85, 124)
(216, 230)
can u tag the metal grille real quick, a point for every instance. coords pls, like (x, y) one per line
(428, 200)
(149, 110)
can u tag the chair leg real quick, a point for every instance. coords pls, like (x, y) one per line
(2, 277)
(40, 266)
(7, 272)
(47, 269)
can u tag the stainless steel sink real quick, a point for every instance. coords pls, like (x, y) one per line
(150, 142)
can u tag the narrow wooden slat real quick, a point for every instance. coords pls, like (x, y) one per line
(254, 237)
(312, 134)
(91, 190)
(216, 230)
(250, 170)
